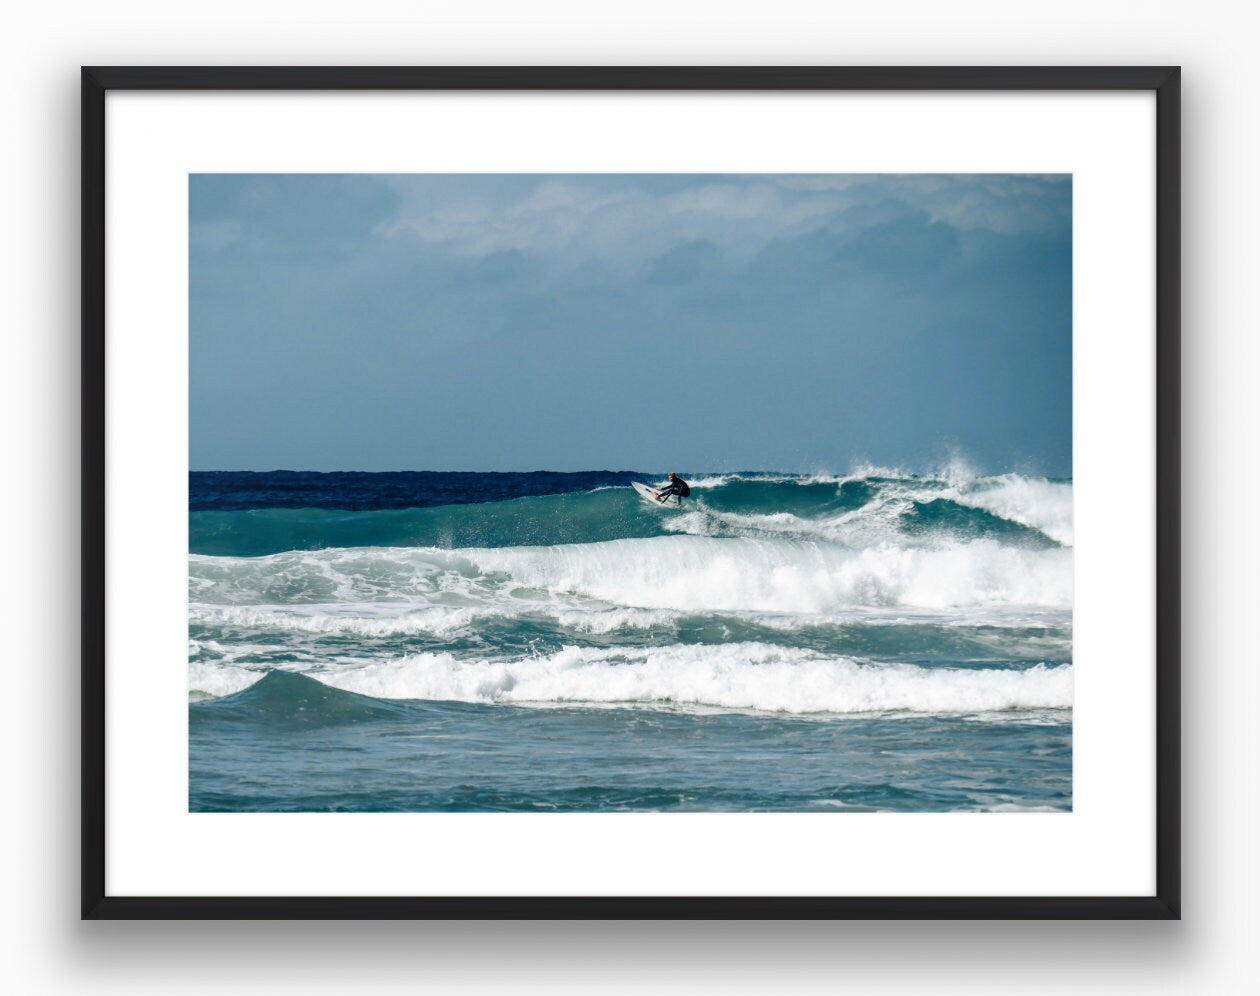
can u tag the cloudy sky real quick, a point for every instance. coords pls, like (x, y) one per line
(524, 322)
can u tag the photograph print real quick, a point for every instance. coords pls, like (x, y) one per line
(647, 492)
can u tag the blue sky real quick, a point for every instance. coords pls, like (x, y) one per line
(578, 322)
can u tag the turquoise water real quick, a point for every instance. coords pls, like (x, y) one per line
(465, 642)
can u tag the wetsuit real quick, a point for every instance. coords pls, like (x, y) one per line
(677, 487)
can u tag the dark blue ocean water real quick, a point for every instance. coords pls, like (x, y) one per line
(433, 641)
(233, 490)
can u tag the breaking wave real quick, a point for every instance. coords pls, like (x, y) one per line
(855, 511)
(873, 592)
(736, 676)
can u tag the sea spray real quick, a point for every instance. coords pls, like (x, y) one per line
(874, 640)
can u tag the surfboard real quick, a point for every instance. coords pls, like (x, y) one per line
(646, 494)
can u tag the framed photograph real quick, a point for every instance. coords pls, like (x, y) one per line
(631, 492)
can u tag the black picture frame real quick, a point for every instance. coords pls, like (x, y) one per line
(1164, 82)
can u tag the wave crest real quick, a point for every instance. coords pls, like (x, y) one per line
(852, 511)
(743, 676)
(674, 572)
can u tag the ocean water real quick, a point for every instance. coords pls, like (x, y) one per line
(550, 642)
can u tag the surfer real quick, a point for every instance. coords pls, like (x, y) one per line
(677, 486)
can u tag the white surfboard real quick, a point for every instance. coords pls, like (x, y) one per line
(646, 494)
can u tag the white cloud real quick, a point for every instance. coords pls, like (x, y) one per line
(593, 216)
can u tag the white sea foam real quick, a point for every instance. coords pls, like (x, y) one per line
(1031, 501)
(718, 480)
(360, 619)
(580, 617)
(684, 573)
(1037, 503)
(1011, 807)
(873, 524)
(701, 574)
(708, 483)
(742, 676)
(218, 679)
